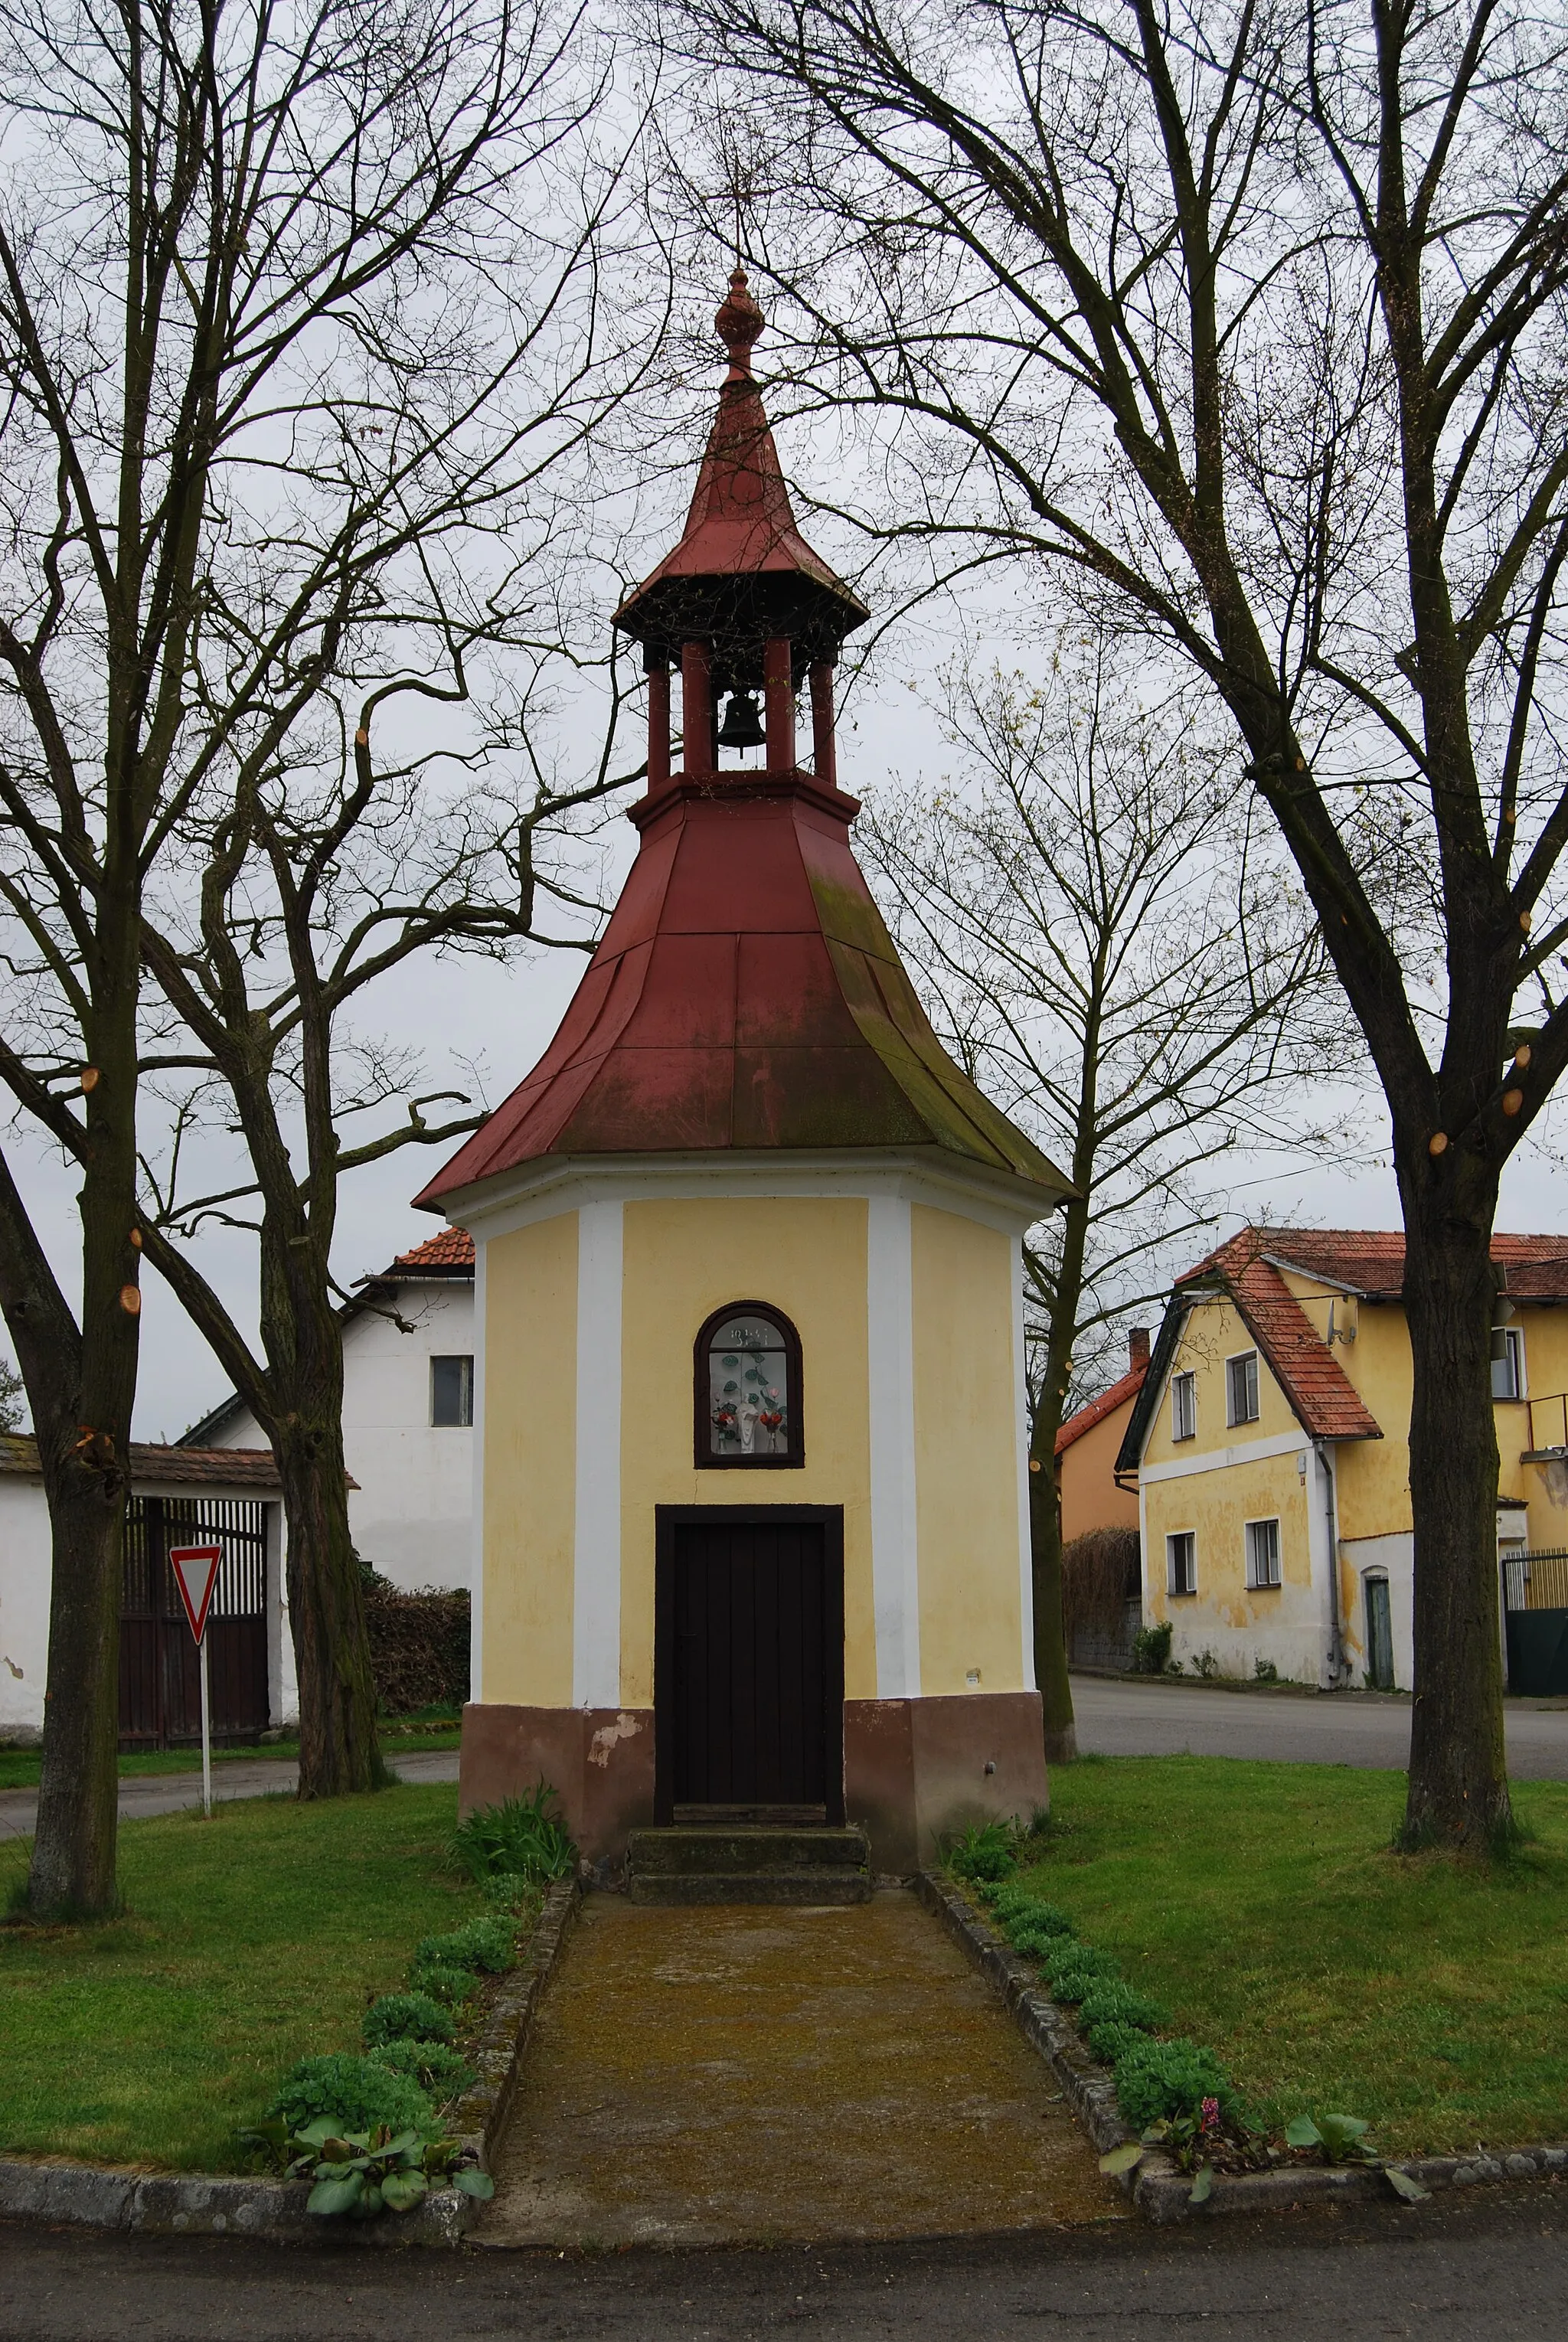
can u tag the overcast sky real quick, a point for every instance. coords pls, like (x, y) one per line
(463, 1009)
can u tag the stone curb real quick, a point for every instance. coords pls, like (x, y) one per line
(1158, 2188)
(168, 2204)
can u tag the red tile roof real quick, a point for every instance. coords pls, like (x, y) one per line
(179, 1467)
(1131, 1383)
(1321, 1393)
(453, 1248)
(1371, 1261)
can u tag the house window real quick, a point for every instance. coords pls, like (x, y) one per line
(1182, 1562)
(1183, 1407)
(1262, 1553)
(451, 1391)
(1507, 1362)
(748, 1378)
(1241, 1388)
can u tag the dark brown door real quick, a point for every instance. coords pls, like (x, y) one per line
(160, 1680)
(749, 1660)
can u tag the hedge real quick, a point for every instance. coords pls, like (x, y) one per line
(418, 1645)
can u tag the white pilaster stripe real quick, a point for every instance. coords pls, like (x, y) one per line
(476, 1523)
(1025, 1539)
(894, 1551)
(596, 1603)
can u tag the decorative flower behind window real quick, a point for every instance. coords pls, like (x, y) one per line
(748, 1373)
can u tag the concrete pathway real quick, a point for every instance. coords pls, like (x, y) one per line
(736, 2074)
(169, 1793)
(1118, 1718)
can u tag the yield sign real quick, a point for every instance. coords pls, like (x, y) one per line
(196, 1569)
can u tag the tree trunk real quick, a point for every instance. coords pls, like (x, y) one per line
(72, 1875)
(1050, 1641)
(338, 1751)
(1458, 1792)
(82, 1387)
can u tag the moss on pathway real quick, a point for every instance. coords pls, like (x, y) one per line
(758, 2073)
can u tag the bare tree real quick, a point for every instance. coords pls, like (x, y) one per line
(1251, 319)
(1112, 948)
(299, 314)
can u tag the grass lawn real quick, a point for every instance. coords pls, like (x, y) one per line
(250, 1941)
(1262, 1905)
(19, 1766)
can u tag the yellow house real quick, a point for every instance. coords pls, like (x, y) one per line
(1269, 1446)
(749, 1394)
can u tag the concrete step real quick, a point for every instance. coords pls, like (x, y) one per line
(758, 1849)
(819, 1883)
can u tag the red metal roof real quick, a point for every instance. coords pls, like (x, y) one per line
(741, 551)
(1131, 1383)
(746, 993)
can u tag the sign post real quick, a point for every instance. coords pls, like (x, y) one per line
(196, 1569)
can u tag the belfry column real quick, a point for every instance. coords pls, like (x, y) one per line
(824, 755)
(696, 711)
(778, 685)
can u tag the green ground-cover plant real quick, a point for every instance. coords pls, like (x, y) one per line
(487, 1946)
(248, 1943)
(441, 2072)
(522, 1837)
(434, 1980)
(1151, 1649)
(404, 2016)
(1264, 1906)
(358, 2174)
(1111, 2002)
(1157, 2080)
(1073, 1969)
(353, 2093)
(985, 1853)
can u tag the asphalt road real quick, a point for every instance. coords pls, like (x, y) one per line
(169, 1793)
(1486, 2270)
(1117, 1718)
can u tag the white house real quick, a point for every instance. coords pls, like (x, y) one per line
(178, 1496)
(408, 1414)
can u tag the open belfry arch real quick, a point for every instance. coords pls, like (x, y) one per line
(750, 1406)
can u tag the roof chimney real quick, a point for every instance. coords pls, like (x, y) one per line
(1138, 1347)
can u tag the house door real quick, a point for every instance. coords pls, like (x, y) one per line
(748, 1666)
(1379, 1636)
(160, 1672)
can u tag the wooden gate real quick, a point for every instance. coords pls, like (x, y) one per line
(748, 1663)
(160, 1680)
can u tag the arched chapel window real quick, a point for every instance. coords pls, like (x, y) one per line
(748, 1388)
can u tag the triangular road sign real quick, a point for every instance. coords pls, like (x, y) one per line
(196, 1569)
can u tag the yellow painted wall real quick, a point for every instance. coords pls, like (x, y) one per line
(1086, 1477)
(530, 1468)
(1216, 1505)
(1375, 1474)
(683, 1260)
(1545, 1335)
(966, 1455)
(1215, 1332)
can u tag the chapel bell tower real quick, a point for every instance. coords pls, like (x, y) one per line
(752, 1510)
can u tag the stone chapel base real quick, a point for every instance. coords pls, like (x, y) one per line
(914, 1770)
